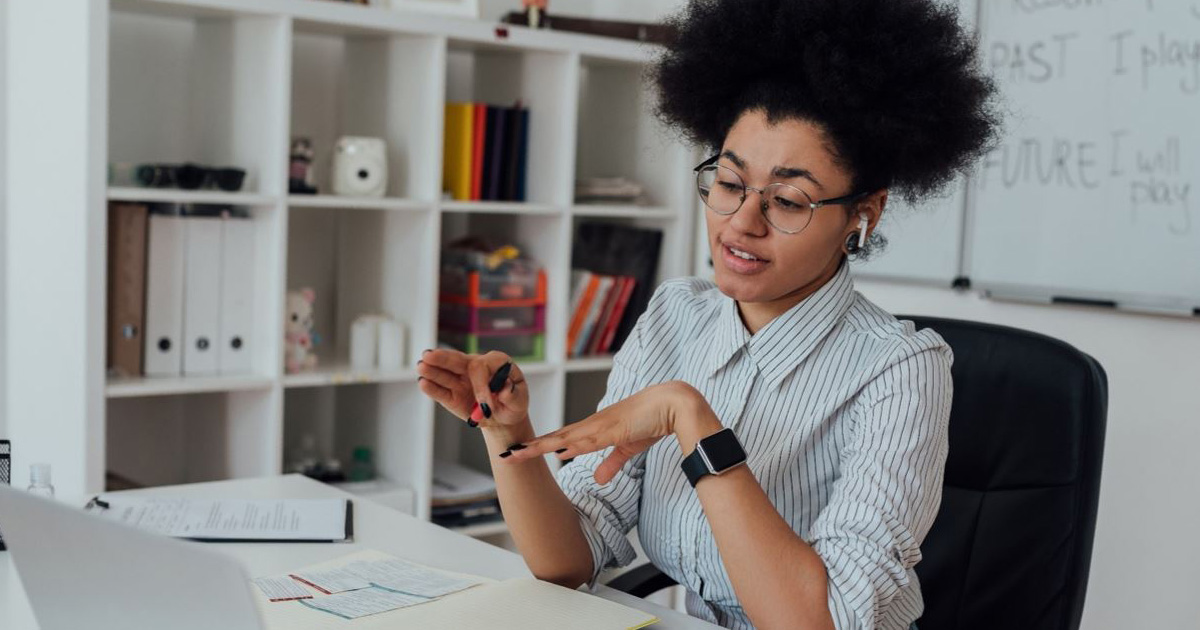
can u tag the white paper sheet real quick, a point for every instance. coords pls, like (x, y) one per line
(233, 519)
(281, 588)
(338, 580)
(411, 578)
(362, 602)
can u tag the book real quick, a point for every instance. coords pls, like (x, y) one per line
(610, 331)
(128, 225)
(479, 139)
(589, 283)
(513, 148)
(606, 313)
(458, 148)
(496, 154)
(621, 250)
(589, 323)
(522, 155)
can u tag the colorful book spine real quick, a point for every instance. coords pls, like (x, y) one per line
(457, 150)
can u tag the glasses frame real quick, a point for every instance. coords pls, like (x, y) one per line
(844, 200)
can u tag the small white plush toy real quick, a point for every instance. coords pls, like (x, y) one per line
(298, 335)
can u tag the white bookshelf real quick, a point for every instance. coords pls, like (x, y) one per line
(228, 83)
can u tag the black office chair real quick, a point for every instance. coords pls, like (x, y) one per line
(1011, 546)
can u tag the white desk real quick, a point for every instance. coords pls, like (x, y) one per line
(375, 527)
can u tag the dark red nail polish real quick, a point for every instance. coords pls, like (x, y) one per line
(517, 447)
(561, 451)
(506, 454)
(472, 424)
(487, 411)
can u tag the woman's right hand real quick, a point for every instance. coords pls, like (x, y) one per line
(459, 381)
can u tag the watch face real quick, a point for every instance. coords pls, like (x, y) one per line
(723, 450)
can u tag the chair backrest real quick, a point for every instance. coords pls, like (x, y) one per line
(1012, 543)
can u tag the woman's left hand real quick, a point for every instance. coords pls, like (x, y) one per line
(631, 425)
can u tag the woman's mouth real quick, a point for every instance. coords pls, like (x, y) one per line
(741, 261)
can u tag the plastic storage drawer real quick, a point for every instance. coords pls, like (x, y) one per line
(521, 347)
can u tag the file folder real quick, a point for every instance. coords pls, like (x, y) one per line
(164, 296)
(126, 287)
(201, 295)
(235, 355)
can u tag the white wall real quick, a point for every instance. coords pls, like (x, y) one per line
(1144, 561)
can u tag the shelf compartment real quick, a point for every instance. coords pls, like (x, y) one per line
(361, 262)
(392, 419)
(541, 81)
(618, 135)
(370, 85)
(166, 440)
(199, 88)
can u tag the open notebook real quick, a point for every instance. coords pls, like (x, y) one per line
(516, 604)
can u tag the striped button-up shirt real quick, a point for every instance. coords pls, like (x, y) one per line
(843, 413)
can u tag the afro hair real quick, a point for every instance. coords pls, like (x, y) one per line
(895, 84)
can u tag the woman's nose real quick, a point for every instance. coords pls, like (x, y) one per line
(751, 217)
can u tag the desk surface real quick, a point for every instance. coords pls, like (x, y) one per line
(375, 527)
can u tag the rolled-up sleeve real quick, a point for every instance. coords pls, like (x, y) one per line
(869, 535)
(607, 513)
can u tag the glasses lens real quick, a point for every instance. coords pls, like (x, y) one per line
(788, 207)
(720, 188)
(189, 176)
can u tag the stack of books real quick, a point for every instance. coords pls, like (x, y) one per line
(614, 271)
(485, 152)
(462, 496)
(598, 303)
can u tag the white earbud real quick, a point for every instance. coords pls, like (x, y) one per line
(863, 222)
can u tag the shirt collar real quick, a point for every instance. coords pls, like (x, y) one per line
(787, 340)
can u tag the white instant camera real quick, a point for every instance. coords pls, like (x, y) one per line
(360, 167)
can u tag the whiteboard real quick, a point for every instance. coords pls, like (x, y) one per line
(925, 241)
(1095, 189)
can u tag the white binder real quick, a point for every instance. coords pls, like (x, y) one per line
(164, 296)
(201, 296)
(237, 297)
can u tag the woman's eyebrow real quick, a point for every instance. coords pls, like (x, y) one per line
(780, 172)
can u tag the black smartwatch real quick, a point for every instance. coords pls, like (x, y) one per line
(714, 455)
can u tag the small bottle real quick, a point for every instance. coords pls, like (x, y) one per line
(39, 480)
(361, 468)
(306, 459)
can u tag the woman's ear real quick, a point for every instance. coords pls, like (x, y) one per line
(873, 206)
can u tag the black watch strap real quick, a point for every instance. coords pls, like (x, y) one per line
(694, 467)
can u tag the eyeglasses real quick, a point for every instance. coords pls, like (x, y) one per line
(787, 208)
(190, 177)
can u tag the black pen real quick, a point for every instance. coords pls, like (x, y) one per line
(481, 410)
(499, 378)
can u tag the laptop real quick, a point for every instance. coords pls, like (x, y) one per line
(82, 571)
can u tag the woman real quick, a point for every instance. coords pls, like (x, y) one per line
(816, 111)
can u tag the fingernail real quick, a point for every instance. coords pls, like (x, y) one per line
(476, 412)
(426, 352)
(561, 451)
(487, 411)
(420, 362)
(420, 378)
(517, 447)
(505, 454)
(472, 424)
